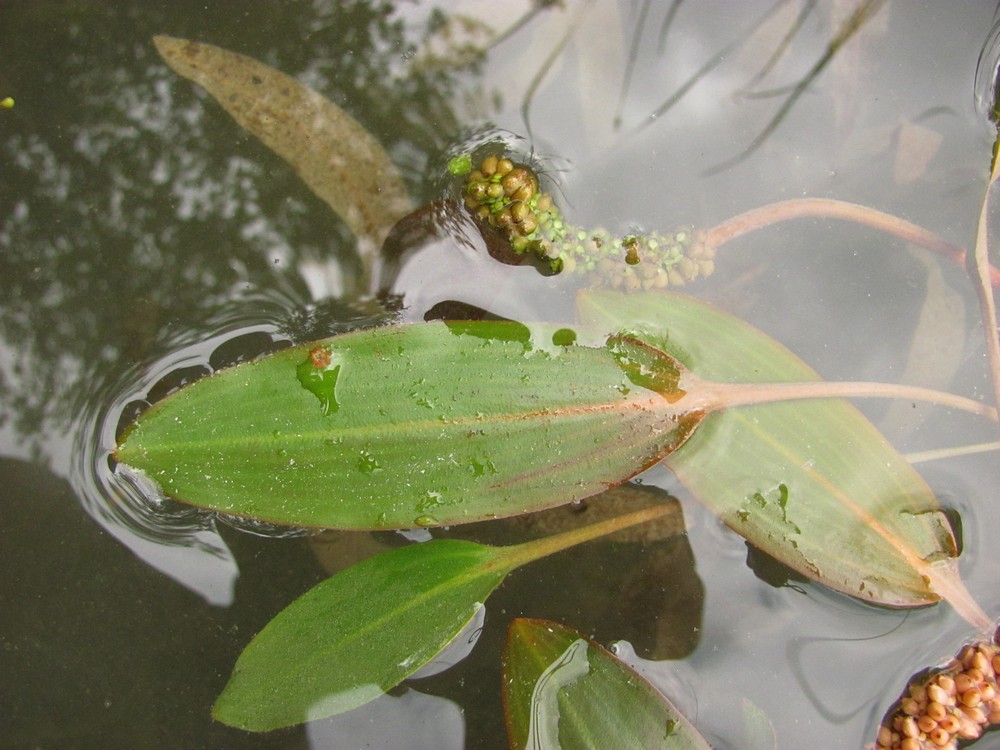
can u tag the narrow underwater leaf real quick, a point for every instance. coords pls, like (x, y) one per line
(562, 691)
(812, 483)
(340, 161)
(355, 635)
(418, 425)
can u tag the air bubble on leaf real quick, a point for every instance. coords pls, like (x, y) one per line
(480, 468)
(432, 499)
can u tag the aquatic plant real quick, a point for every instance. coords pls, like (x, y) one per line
(405, 426)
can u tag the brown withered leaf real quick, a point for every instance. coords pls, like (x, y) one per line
(333, 153)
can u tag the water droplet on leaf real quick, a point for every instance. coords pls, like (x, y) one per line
(367, 463)
(318, 375)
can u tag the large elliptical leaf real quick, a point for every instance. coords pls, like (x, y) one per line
(418, 425)
(812, 483)
(564, 692)
(350, 638)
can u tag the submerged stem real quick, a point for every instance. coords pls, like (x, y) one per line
(521, 554)
(962, 450)
(758, 218)
(713, 396)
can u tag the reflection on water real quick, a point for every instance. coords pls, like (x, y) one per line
(145, 241)
(394, 723)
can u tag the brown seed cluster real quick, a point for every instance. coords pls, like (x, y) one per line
(955, 703)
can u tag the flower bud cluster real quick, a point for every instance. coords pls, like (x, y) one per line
(955, 703)
(506, 195)
(637, 262)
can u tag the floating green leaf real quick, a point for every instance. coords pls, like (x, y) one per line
(336, 156)
(813, 484)
(564, 692)
(437, 424)
(427, 424)
(349, 639)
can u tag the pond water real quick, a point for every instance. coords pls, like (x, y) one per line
(146, 240)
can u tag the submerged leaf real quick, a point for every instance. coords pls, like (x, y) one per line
(813, 484)
(340, 161)
(564, 692)
(352, 637)
(420, 425)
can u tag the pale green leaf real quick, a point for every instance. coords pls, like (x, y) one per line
(813, 483)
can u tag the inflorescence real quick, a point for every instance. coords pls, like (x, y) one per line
(955, 703)
(506, 196)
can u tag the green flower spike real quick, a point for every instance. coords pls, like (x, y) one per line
(506, 195)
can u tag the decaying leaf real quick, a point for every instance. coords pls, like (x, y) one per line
(336, 156)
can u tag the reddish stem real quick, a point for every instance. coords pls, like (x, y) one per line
(758, 218)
